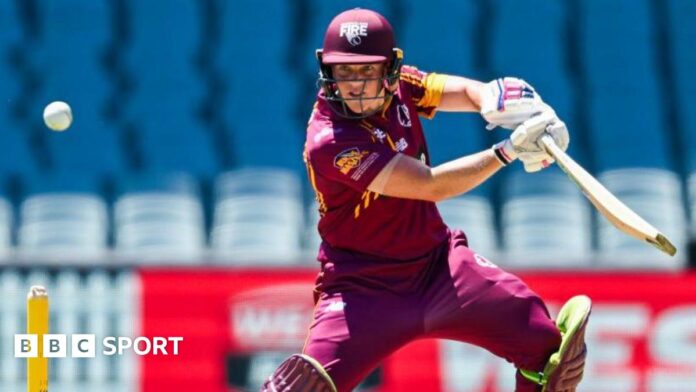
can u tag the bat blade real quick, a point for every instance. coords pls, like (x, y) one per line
(615, 211)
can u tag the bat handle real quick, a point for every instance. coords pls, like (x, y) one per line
(547, 143)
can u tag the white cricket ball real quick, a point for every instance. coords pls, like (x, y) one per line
(58, 116)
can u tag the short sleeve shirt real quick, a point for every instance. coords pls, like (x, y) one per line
(343, 156)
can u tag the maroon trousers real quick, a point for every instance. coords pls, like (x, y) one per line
(367, 309)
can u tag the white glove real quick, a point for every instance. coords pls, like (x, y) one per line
(524, 142)
(507, 102)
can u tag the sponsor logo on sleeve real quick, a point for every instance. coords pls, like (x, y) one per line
(353, 31)
(349, 159)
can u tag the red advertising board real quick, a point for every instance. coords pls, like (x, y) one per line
(237, 324)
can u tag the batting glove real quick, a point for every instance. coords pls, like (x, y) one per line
(507, 102)
(524, 143)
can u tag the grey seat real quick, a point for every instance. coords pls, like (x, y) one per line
(655, 195)
(60, 226)
(258, 216)
(545, 222)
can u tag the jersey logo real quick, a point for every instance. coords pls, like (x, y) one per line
(353, 31)
(403, 115)
(349, 159)
(401, 145)
(379, 134)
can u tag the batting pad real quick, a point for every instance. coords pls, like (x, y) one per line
(299, 373)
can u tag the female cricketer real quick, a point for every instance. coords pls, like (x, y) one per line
(391, 270)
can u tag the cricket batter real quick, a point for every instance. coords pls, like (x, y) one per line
(391, 270)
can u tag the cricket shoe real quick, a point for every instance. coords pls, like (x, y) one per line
(563, 372)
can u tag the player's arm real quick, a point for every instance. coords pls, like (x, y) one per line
(409, 178)
(504, 102)
(460, 95)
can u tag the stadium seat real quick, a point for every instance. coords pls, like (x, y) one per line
(682, 34)
(259, 181)
(449, 135)
(474, 216)
(655, 195)
(259, 111)
(73, 48)
(258, 216)
(545, 222)
(625, 105)
(422, 36)
(537, 53)
(169, 88)
(17, 158)
(63, 227)
(159, 219)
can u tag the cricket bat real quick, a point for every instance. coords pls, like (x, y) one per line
(608, 205)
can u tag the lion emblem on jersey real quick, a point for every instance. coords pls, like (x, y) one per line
(349, 159)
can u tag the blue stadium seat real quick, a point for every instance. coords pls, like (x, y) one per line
(165, 39)
(530, 40)
(627, 131)
(618, 54)
(10, 39)
(62, 182)
(168, 87)
(422, 37)
(173, 145)
(16, 157)
(439, 36)
(259, 107)
(682, 33)
(452, 135)
(72, 47)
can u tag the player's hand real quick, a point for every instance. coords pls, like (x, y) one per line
(525, 142)
(507, 102)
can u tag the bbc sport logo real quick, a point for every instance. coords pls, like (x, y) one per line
(85, 345)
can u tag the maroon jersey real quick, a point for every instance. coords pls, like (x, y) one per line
(343, 156)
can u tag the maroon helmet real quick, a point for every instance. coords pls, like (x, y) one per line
(358, 36)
